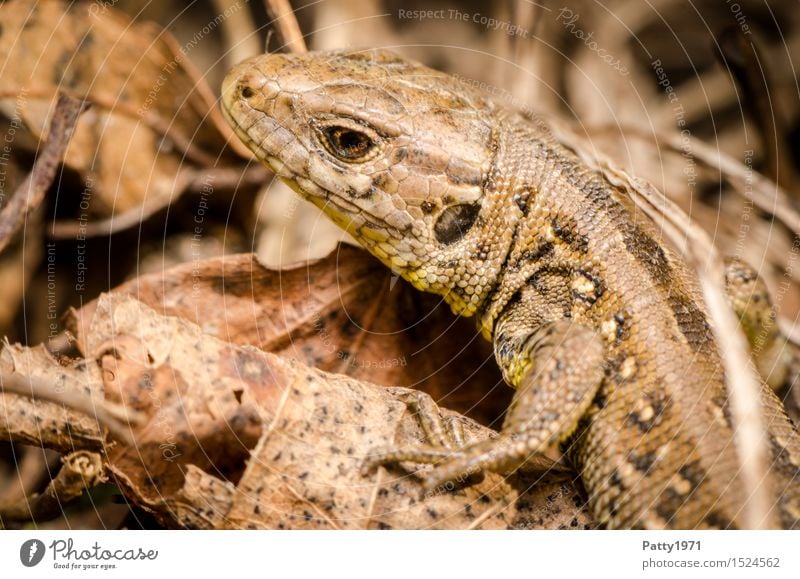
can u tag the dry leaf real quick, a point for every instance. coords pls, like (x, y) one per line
(281, 444)
(153, 123)
(344, 313)
(49, 424)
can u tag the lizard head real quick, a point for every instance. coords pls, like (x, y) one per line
(395, 153)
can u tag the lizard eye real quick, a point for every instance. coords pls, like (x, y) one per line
(455, 221)
(353, 143)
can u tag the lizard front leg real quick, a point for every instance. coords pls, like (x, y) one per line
(556, 366)
(750, 300)
(778, 362)
(777, 358)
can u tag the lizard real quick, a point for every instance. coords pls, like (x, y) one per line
(597, 324)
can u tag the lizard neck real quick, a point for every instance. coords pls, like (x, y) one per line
(506, 189)
(511, 193)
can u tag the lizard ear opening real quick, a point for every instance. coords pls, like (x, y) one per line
(455, 221)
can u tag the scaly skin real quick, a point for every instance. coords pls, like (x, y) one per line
(595, 322)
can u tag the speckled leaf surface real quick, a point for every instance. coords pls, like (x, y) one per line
(344, 314)
(44, 423)
(278, 444)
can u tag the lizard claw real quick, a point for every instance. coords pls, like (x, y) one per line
(423, 454)
(446, 475)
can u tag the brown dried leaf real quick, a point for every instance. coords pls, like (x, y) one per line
(49, 424)
(342, 314)
(153, 122)
(302, 433)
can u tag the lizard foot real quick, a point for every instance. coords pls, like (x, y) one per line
(444, 436)
(459, 463)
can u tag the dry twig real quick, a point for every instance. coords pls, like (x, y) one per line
(286, 26)
(30, 192)
(81, 470)
(116, 418)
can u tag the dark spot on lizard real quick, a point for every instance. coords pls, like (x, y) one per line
(427, 206)
(622, 326)
(657, 404)
(647, 251)
(354, 194)
(600, 399)
(691, 322)
(542, 250)
(455, 221)
(590, 297)
(613, 509)
(693, 473)
(472, 178)
(482, 249)
(566, 229)
(642, 462)
(614, 366)
(504, 347)
(716, 520)
(514, 300)
(522, 200)
(722, 402)
(379, 183)
(669, 503)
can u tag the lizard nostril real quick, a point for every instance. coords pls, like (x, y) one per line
(248, 92)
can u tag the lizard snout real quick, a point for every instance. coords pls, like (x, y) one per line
(246, 82)
(255, 81)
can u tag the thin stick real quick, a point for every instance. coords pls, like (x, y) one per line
(285, 25)
(223, 179)
(81, 470)
(28, 196)
(116, 418)
(763, 192)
